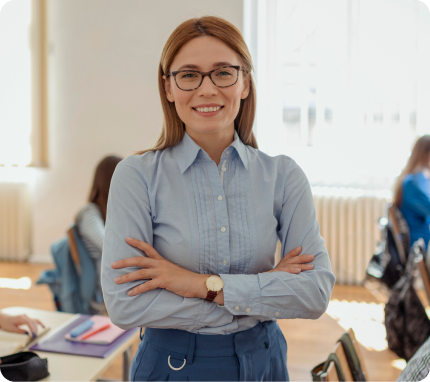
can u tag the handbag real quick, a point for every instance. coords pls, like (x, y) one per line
(322, 368)
(24, 366)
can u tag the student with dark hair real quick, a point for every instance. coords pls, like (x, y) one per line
(90, 220)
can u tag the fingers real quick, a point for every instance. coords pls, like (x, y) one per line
(302, 259)
(32, 324)
(139, 261)
(141, 274)
(145, 247)
(142, 288)
(294, 252)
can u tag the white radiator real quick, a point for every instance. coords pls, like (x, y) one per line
(15, 238)
(348, 220)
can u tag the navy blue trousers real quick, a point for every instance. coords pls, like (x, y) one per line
(256, 354)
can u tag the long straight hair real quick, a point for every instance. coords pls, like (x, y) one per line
(101, 182)
(421, 148)
(173, 128)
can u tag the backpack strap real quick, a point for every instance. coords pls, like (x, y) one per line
(352, 357)
(318, 370)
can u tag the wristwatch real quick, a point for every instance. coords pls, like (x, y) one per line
(214, 284)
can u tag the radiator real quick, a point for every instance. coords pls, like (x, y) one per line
(348, 220)
(15, 220)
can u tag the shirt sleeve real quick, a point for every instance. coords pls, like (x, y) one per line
(92, 226)
(416, 198)
(129, 214)
(282, 294)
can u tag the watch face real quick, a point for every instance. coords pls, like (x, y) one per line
(214, 283)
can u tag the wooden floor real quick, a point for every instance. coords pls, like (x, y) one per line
(309, 341)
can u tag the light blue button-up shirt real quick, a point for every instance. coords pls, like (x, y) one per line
(223, 219)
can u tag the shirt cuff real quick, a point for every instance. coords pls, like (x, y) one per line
(242, 294)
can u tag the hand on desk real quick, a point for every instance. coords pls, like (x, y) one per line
(13, 323)
(163, 274)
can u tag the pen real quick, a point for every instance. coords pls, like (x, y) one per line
(95, 331)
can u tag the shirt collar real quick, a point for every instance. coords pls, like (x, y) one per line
(186, 151)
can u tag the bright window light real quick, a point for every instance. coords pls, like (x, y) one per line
(22, 283)
(15, 83)
(343, 86)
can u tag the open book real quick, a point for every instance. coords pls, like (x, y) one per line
(14, 342)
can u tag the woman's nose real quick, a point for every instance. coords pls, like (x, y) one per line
(207, 88)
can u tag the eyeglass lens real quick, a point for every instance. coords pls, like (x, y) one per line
(221, 77)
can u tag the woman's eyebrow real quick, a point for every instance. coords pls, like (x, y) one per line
(196, 67)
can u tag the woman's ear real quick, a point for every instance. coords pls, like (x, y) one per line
(246, 88)
(168, 89)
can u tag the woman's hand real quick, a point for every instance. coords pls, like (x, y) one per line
(293, 262)
(13, 323)
(160, 272)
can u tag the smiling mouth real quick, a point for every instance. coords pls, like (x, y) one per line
(210, 109)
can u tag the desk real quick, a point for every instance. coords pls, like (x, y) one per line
(65, 367)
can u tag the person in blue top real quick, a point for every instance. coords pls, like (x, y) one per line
(193, 223)
(412, 191)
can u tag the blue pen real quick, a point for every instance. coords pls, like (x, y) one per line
(81, 328)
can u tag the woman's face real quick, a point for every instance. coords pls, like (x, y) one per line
(205, 54)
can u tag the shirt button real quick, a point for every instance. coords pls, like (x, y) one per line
(248, 310)
(220, 198)
(277, 314)
(237, 308)
(225, 262)
(223, 229)
(223, 169)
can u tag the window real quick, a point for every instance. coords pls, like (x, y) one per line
(22, 83)
(343, 85)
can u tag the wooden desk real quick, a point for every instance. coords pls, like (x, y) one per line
(66, 367)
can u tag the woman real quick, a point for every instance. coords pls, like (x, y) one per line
(412, 191)
(198, 217)
(90, 220)
(14, 324)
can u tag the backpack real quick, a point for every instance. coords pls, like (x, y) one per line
(406, 321)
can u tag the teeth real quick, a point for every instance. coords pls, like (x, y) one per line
(208, 109)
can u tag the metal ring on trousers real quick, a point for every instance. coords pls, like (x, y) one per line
(176, 368)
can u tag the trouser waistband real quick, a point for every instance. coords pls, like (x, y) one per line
(187, 344)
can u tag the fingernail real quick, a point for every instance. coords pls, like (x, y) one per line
(297, 269)
(34, 334)
(118, 279)
(131, 293)
(114, 264)
(26, 332)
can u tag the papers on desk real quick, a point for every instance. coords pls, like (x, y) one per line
(13, 342)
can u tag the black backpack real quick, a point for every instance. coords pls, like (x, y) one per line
(406, 321)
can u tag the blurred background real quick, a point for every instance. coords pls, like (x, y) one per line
(343, 88)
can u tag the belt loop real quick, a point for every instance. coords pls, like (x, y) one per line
(191, 348)
(141, 334)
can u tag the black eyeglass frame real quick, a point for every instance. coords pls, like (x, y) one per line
(204, 74)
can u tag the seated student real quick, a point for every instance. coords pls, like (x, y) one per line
(412, 191)
(13, 323)
(90, 220)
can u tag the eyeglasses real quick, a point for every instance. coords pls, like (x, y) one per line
(192, 79)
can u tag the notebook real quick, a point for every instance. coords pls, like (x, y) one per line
(105, 337)
(55, 342)
(13, 342)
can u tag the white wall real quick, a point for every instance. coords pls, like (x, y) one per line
(103, 94)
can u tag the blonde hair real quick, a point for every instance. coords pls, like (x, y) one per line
(173, 128)
(421, 148)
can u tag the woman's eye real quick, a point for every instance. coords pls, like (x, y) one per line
(224, 73)
(188, 75)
